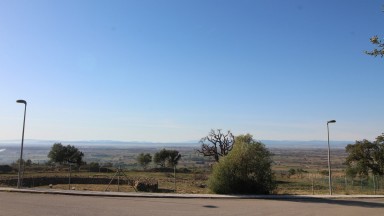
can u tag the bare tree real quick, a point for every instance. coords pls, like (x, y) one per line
(216, 144)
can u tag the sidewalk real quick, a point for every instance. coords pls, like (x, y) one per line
(186, 196)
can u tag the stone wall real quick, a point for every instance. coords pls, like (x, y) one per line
(41, 181)
(148, 185)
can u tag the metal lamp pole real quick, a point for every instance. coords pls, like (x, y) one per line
(22, 143)
(329, 159)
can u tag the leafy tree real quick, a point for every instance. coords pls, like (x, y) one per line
(379, 51)
(324, 172)
(366, 156)
(216, 144)
(28, 162)
(166, 157)
(144, 159)
(247, 169)
(351, 172)
(65, 154)
(291, 172)
(23, 162)
(173, 157)
(378, 156)
(300, 171)
(94, 167)
(360, 157)
(160, 157)
(5, 168)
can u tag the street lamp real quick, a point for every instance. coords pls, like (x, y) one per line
(22, 143)
(329, 159)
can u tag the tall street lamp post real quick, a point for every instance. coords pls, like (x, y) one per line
(22, 143)
(329, 159)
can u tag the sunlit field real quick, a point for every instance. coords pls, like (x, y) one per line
(297, 171)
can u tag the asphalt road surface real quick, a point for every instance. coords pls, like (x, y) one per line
(49, 205)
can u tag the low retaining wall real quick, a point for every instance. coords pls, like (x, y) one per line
(149, 185)
(41, 181)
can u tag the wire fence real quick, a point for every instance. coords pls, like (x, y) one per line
(319, 184)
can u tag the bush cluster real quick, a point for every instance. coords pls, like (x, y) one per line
(245, 170)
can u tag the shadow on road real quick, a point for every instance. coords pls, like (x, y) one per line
(210, 206)
(359, 203)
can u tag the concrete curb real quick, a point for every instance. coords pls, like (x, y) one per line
(184, 196)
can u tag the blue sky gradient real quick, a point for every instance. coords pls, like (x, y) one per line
(168, 71)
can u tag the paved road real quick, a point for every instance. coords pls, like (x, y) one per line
(12, 203)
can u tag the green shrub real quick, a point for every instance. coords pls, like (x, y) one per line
(5, 168)
(144, 160)
(291, 172)
(245, 170)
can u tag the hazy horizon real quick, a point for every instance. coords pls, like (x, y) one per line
(279, 143)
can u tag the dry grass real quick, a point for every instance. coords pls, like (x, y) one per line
(313, 161)
(185, 183)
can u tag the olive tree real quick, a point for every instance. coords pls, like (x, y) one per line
(365, 156)
(166, 157)
(144, 159)
(160, 157)
(65, 154)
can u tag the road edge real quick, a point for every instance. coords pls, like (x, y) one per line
(178, 196)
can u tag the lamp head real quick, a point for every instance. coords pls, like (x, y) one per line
(22, 101)
(331, 121)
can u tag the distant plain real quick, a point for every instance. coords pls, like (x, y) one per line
(308, 159)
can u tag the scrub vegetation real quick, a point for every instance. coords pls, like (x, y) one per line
(286, 170)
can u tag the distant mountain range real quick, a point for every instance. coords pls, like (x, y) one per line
(114, 143)
(305, 144)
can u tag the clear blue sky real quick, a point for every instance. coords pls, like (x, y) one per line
(170, 71)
